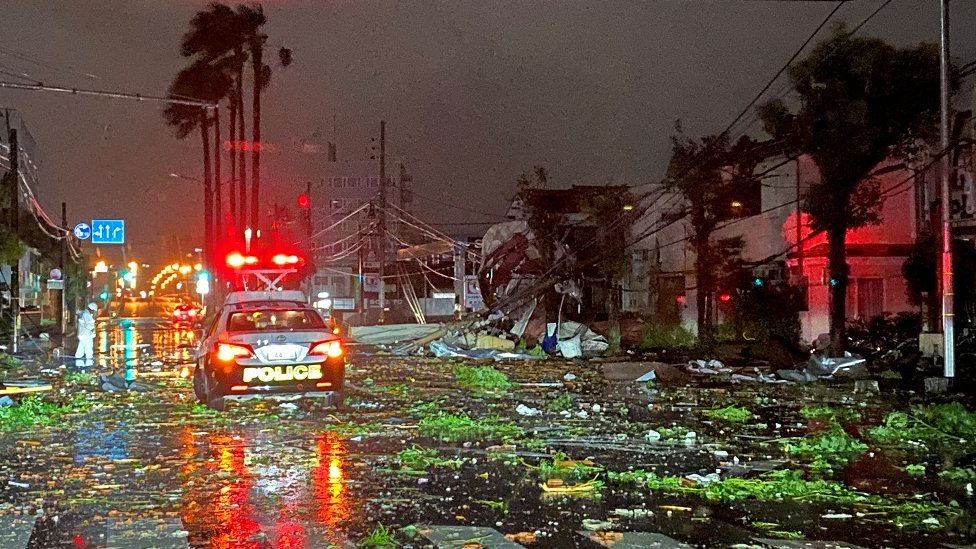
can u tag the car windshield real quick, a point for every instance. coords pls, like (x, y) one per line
(270, 320)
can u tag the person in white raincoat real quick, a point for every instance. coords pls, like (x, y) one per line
(84, 356)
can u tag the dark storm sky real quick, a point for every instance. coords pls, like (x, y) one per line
(473, 92)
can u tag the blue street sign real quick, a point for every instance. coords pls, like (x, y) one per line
(108, 231)
(82, 231)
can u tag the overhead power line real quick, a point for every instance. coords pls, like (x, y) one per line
(40, 86)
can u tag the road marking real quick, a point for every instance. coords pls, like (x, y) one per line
(639, 540)
(15, 532)
(444, 537)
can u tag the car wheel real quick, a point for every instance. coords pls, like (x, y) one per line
(200, 384)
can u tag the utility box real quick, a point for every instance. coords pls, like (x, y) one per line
(930, 345)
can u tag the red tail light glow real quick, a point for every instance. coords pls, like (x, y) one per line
(328, 348)
(229, 351)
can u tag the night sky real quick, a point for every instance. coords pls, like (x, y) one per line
(473, 92)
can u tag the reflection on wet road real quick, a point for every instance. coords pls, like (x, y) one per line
(131, 467)
(144, 344)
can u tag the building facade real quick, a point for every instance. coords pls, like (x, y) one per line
(781, 244)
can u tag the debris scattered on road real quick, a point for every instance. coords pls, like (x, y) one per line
(524, 410)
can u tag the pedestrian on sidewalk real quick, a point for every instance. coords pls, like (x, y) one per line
(84, 356)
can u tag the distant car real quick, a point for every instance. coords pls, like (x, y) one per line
(268, 344)
(187, 314)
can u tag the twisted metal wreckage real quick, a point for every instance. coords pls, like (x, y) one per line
(513, 281)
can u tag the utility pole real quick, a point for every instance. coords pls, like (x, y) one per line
(382, 224)
(64, 277)
(14, 176)
(945, 281)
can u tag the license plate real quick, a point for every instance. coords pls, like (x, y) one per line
(280, 353)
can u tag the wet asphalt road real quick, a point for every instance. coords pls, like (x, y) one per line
(156, 469)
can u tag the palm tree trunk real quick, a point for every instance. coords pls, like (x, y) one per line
(837, 258)
(232, 190)
(218, 202)
(207, 190)
(257, 63)
(241, 162)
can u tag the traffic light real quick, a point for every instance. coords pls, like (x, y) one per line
(303, 201)
(758, 282)
(203, 282)
(103, 295)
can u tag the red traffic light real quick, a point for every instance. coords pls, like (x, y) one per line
(724, 298)
(303, 201)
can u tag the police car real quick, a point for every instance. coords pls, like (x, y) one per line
(268, 344)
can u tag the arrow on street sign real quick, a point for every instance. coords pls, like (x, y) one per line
(108, 231)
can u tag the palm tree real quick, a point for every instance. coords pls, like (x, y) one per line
(218, 37)
(251, 20)
(204, 82)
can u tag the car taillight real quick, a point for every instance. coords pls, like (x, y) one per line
(329, 348)
(229, 351)
(192, 312)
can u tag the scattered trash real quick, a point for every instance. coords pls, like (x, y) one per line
(836, 516)
(485, 341)
(16, 484)
(569, 377)
(524, 410)
(114, 383)
(288, 406)
(652, 436)
(632, 513)
(703, 480)
(711, 367)
(649, 376)
(690, 437)
(596, 408)
(570, 348)
(582, 414)
(594, 525)
(6, 401)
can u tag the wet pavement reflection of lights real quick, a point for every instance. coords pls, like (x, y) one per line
(241, 486)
